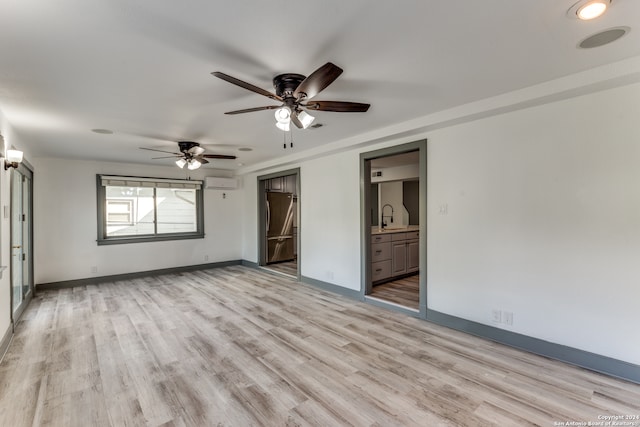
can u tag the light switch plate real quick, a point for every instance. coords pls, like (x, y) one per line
(508, 318)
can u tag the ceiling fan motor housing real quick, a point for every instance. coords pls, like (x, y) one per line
(286, 84)
(187, 145)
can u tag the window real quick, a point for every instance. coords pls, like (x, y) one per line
(119, 212)
(132, 209)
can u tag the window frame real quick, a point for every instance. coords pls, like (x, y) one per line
(101, 196)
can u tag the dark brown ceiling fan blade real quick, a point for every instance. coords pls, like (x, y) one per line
(338, 106)
(218, 156)
(160, 151)
(318, 81)
(251, 110)
(295, 120)
(201, 160)
(246, 85)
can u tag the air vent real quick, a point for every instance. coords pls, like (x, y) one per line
(219, 183)
(603, 37)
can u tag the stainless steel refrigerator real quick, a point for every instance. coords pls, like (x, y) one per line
(280, 220)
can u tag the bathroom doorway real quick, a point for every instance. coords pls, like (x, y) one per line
(393, 201)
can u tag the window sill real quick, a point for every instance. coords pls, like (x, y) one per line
(146, 239)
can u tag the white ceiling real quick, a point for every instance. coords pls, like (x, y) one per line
(142, 68)
(404, 159)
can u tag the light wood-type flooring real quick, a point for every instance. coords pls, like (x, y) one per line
(235, 346)
(289, 268)
(405, 292)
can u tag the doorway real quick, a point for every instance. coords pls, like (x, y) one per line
(393, 233)
(278, 218)
(21, 240)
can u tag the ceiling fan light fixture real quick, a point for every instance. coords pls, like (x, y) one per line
(283, 126)
(283, 115)
(305, 118)
(193, 164)
(180, 163)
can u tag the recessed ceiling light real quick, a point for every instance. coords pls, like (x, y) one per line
(603, 37)
(245, 149)
(592, 10)
(586, 10)
(102, 131)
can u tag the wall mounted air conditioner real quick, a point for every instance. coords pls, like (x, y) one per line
(219, 183)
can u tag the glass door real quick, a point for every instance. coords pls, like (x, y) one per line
(21, 255)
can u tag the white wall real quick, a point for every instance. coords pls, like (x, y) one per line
(543, 220)
(250, 217)
(330, 219)
(65, 228)
(391, 193)
(397, 173)
(5, 241)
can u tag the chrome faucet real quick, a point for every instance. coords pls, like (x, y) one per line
(384, 224)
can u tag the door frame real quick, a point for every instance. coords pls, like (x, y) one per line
(365, 217)
(25, 169)
(262, 213)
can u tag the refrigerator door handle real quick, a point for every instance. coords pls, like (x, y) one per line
(268, 216)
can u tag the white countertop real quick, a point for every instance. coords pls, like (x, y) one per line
(391, 230)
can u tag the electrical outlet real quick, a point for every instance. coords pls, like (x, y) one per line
(508, 318)
(496, 316)
(206, 258)
(94, 269)
(444, 209)
(329, 274)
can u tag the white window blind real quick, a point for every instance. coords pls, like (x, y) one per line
(130, 181)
